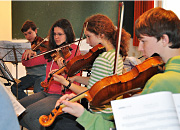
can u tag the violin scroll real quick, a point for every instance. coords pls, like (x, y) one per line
(64, 52)
(40, 44)
(48, 120)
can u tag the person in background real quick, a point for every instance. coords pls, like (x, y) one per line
(98, 29)
(9, 119)
(129, 63)
(34, 75)
(42, 103)
(158, 31)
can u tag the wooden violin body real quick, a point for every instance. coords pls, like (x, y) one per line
(109, 88)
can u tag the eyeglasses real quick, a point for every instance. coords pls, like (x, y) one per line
(58, 34)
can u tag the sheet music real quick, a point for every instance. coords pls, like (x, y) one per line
(17, 106)
(146, 112)
(177, 104)
(6, 50)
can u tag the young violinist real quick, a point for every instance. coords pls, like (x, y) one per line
(98, 29)
(158, 32)
(35, 73)
(43, 102)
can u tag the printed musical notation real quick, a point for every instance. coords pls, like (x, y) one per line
(12, 51)
(160, 110)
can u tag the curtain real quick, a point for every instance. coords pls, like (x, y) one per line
(139, 8)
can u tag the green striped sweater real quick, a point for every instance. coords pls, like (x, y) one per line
(103, 66)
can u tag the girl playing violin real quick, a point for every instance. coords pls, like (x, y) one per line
(98, 29)
(43, 102)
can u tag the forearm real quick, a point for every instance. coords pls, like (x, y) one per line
(82, 80)
(35, 61)
(75, 88)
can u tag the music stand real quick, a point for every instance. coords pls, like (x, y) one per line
(5, 73)
(15, 59)
(12, 52)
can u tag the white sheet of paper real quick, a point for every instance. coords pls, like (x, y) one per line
(177, 104)
(17, 106)
(155, 111)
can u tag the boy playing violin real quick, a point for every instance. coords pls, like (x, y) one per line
(158, 31)
(34, 75)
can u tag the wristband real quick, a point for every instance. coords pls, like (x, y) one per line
(67, 87)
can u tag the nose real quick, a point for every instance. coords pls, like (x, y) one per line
(27, 36)
(140, 47)
(87, 40)
(55, 36)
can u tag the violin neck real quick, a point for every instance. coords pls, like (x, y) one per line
(84, 94)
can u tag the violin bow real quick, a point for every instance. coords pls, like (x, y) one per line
(118, 42)
(79, 40)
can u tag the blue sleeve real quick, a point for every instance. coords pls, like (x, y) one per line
(9, 119)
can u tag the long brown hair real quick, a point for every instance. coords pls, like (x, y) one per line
(101, 24)
(68, 30)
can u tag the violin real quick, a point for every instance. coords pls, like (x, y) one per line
(40, 44)
(111, 87)
(65, 52)
(77, 63)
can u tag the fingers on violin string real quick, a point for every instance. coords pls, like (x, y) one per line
(64, 97)
(72, 95)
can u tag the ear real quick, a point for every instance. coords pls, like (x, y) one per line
(165, 39)
(102, 35)
(35, 31)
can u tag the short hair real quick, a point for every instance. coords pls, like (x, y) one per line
(158, 21)
(27, 25)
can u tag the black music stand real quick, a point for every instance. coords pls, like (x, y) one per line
(5, 73)
(12, 52)
(15, 59)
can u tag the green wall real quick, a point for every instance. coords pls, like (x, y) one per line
(45, 13)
